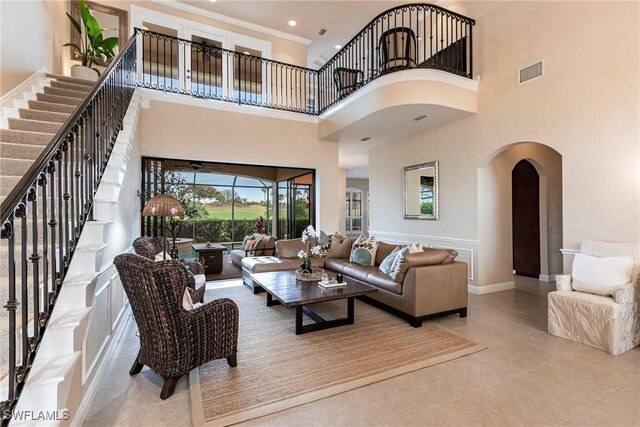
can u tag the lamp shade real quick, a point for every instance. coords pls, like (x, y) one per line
(163, 205)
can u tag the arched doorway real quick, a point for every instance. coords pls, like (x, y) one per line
(525, 214)
(498, 245)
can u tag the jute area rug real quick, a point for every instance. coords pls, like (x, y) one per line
(278, 370)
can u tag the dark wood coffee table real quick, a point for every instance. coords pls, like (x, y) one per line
(282, 287)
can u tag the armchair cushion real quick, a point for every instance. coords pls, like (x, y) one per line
(563, 283)
(159, 257)
(600, 276)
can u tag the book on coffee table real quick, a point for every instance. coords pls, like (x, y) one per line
(330, 285)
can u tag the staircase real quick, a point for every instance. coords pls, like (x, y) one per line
(30, 123)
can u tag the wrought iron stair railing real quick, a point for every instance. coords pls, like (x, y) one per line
(42, 218)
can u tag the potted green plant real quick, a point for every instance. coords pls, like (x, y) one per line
(93, 48)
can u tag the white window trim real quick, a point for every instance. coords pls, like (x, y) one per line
(185, 27)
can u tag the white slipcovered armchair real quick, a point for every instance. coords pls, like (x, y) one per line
(607, 318)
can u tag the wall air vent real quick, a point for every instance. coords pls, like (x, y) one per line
(365, 139)
(420, 117)
(322, 31)
(531, 72)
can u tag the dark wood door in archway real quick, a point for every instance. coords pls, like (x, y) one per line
(525, 191)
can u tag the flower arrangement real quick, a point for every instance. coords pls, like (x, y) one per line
(304, 255)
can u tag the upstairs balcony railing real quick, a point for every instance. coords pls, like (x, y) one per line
(414, 36)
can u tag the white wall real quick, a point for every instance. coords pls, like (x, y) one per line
(203, 130)
(31, 37)
(585, 107)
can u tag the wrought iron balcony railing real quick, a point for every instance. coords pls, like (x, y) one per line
(414, 36)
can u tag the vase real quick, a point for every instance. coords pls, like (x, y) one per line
(83, 72)
(306, 266)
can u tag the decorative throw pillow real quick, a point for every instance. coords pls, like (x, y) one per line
(405, 260)
(415, 248)
(600, 276)
(187, 301)
(245, 240)
(399, 256)
(324, 242)
(340, 247)
(385, 265)
(160, 258)
(363, 251)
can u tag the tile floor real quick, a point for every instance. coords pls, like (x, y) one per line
(525, 377)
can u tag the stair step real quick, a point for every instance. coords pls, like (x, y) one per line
(25, 137)
(14, 167)
(51, 106)
(20, 151)
(64, 92)
(34, 125)
(56, 99)
(69, 79)
(70, 86)
(45, 116)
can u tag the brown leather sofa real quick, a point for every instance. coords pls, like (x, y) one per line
(428, 286)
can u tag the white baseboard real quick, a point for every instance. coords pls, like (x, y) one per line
(83, 410)
(549, 278)
(22, 87)
(496, 287)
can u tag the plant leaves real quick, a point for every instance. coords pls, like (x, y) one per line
(96, 70)
(110, 43)
(75, 23)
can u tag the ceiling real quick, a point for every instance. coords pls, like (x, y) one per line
(341, 19)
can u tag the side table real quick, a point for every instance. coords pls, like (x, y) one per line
(211, 255)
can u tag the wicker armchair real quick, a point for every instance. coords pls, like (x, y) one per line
(149, 247)
(173, 340)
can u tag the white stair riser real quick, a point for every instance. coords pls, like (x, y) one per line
(76, 295)
(63, 340)
(87, 261)
(117, 159)
(108, 190)
(53, 395)
(104, 210)
(95, 233)
(113, 174)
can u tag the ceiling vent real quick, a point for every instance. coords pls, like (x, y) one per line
(420, 117)
(365, 139)
(531, 72)
(322, 31)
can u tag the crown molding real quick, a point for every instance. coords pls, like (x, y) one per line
(233, 21)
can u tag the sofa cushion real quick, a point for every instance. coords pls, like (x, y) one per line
(404, 261)
(265, 246)
(384, 249)
(363, 251)
(236, 257)
(289, 248)
(340, 248)
(336, 264)
(600, 276)
(267, 263)
(387, 263)
(384, 281)
(357, 271)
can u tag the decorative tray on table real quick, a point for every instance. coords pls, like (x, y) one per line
(314, 276)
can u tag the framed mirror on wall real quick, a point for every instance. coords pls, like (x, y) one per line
(113, 21)
(421, 194)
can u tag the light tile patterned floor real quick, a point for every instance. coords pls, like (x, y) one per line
(525, 377)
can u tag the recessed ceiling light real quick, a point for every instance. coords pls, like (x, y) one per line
(212, 1)
(246, 52)
(366, 138)
(419, 38)
(338, 46)
(292, 23)
(144, 27)
(420, 117)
